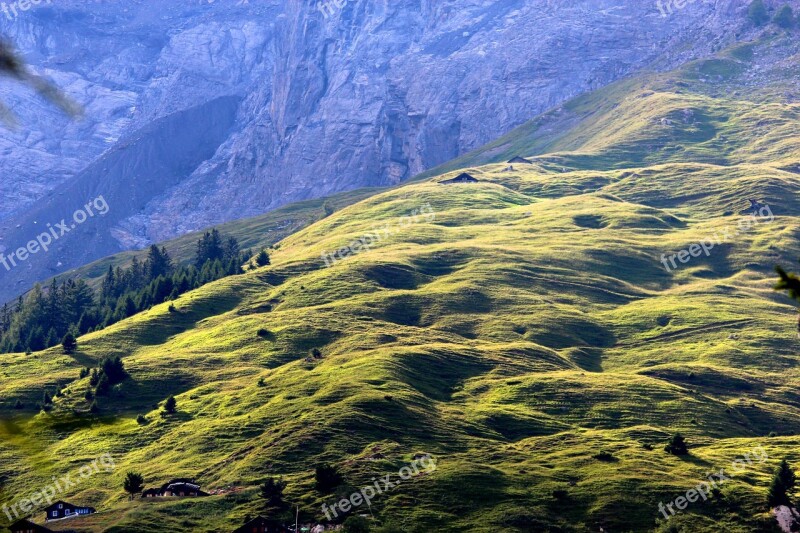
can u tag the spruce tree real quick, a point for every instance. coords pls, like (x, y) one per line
(109, 286)
(781, 486)
(209, 248)
(272, 494)
(262, 259)
(757, 13)
(170, 406)
(158, 263)
(677, 445)
(69, 344)
(785, 17)
(133, 484)
(103, 386)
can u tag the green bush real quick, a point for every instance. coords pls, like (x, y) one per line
(356, 524)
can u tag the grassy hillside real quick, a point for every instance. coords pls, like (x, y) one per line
(514, 329)
(255, 233)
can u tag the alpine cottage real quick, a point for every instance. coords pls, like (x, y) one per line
(461, 178)
(62, 509)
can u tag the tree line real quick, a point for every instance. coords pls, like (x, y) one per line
(63, 311)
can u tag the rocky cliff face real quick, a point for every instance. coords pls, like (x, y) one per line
(328, 96)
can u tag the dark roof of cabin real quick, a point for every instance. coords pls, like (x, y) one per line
(65, 504)
(519, 159)
(25, 525)
(179, 480)
(460, 178)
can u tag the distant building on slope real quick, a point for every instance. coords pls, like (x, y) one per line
(521, 160)
(26, 526)
(61, 509)
(181, 487)
(461, 178)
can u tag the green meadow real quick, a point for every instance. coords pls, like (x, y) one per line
(520, 331)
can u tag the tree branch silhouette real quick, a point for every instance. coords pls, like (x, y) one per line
(11, 65)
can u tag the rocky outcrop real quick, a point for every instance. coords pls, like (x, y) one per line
(328, 98)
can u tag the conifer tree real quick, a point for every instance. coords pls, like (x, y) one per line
(781, 486)
(262, 259)
(69, 344)
(785, 17)
(757, 13)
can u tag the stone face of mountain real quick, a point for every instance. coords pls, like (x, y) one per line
(327, 98)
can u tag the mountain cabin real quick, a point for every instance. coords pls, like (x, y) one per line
(461, 178)
(62, 509)
(175, 488)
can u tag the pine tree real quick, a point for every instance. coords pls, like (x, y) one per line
(786, 476)
(52, 338)
(36, 339)
(262, 259)
(170, 406)
(133, 484)
(209, 248)
(158, 263)
(103, 386)
(109, 288)
(69, 344)
(677, 445)
(757, 13)
(785, 17)
(272, 494)
(114, 369)
(230, 251)
(781, 486)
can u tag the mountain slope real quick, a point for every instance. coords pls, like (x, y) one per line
(513, 328)
(369, 95)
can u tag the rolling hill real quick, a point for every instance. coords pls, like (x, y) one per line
(522, 330)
